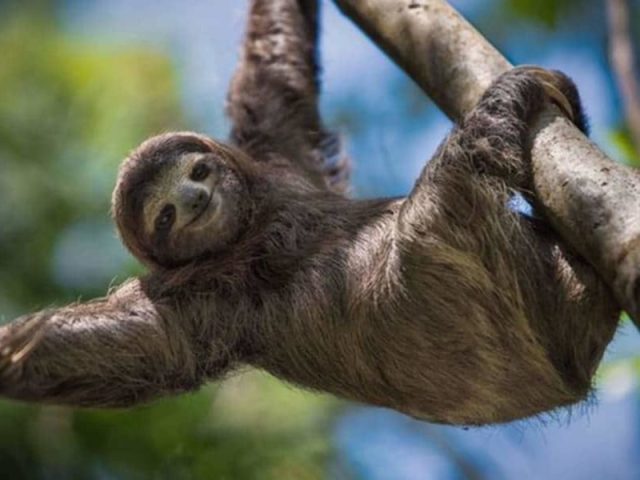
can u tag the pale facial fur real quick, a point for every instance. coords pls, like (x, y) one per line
(191, 208)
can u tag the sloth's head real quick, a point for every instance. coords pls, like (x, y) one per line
(181, 196)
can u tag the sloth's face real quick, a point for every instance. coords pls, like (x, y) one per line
(193, 206)
(179, 197)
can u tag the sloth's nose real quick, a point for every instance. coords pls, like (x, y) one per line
(193, 198)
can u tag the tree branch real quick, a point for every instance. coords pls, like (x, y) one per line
(621, 57)
(593, 202)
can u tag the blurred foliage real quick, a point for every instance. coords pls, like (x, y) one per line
(621, 139)
(68, 113)
(544, 12)
(254, 428)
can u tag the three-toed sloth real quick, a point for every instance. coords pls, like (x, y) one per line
(447, 305)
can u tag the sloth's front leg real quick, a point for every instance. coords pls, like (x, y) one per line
(487, 156)
(495, 136)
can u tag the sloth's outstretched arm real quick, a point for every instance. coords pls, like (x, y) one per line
(273, 99)
(114, 352)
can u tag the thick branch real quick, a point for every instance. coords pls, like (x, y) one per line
(593, 202)
(621, 57)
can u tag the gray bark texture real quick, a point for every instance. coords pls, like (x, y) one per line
(592, 201)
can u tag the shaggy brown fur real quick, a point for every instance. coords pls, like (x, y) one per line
(446, 305)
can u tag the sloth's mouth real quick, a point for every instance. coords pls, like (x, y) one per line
(211, 206)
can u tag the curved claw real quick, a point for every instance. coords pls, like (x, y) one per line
(548, 80)
(557, 97)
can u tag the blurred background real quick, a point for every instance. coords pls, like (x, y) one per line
(84, 81)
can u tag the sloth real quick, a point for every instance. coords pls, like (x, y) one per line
(447, 305)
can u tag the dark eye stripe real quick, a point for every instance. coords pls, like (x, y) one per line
(165, 219)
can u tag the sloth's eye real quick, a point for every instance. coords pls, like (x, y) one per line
(166, 218)
(199, 172)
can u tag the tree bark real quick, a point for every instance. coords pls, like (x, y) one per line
(593, 202)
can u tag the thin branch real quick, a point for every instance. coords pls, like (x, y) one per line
(622, 58)
(592, 202)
